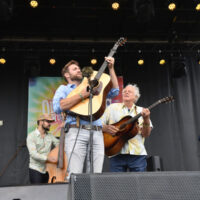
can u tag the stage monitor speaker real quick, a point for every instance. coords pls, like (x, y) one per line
(139, 185)
(154, 163)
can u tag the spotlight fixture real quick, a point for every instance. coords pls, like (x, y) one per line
(33, 3)
(52, 61)
(140, 61)
(161, 59)
(115, 5)
(93, 61)
(198, 6)
(172, 5)
(2, 60)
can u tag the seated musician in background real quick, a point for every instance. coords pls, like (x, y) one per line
(132, 156)
(78, 136)
(39, 143)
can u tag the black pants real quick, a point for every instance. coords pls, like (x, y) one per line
(37, 177)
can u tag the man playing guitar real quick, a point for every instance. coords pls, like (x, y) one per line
(132, 155)
(77, 138)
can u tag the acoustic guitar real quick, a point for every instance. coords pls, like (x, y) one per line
(128, 128)
(101, 83)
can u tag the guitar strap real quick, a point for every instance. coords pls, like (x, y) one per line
(77, 121)
(135, 107)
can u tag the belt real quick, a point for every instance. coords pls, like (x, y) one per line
(87, 127)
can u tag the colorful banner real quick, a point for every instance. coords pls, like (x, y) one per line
(41, 92)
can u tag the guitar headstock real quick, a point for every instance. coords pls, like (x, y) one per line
(120, 42)
(166, 99)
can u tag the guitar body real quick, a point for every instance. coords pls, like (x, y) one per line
(114, 143)
(128, 128)
(98, 100)
(56, 174)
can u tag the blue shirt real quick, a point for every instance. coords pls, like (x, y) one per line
(63, 91)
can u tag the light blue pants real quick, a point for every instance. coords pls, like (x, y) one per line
(80, 151)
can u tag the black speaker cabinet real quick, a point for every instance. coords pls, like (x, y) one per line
(138, 185)
(154, 163)
(113, 186)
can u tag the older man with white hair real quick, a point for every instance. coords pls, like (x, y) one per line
(132, 155)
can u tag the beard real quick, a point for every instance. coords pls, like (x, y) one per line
(76, 77)
(46, 128)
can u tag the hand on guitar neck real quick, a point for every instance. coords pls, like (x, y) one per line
(110, 61)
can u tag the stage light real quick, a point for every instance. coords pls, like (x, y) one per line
(52, 61)
(198, 7)
(140, 58)
(172, 6)
(93, 56)
(33, 3)
(162, 61)
(140, 62)
(93, 61)
(2, 60)
(115, 5)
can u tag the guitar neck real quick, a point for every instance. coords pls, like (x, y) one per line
(139, 114)
(103, 66)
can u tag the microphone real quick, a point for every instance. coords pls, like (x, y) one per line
(87, 71)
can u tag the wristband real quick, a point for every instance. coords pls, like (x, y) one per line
(82, 99)
(146, 125)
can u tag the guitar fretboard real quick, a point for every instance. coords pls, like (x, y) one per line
(133, 119)
(104, 65)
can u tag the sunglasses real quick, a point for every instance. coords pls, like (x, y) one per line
(48, 121)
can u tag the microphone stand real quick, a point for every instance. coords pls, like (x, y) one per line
(92, 84)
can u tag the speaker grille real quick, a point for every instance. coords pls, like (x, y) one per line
(144, 186)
